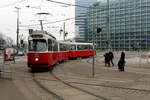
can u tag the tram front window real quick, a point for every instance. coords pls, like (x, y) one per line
(37, 45)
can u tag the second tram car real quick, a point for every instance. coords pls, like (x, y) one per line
(45, 51)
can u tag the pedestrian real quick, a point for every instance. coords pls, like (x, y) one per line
(107, 59)
(111, 56)
(121, 62)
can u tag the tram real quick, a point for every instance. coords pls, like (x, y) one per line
(45, 51)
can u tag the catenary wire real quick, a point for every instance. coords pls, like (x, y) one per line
(11, 4)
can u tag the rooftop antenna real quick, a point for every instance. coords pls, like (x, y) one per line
(41, 21)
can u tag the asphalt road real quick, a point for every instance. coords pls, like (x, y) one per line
(8, 91)
(108, 80)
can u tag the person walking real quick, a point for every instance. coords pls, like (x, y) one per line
(111, 56)
(121, 62)
(107, 59)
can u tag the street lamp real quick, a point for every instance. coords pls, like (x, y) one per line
(17, 27)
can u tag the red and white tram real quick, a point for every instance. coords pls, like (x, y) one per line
(45, 51)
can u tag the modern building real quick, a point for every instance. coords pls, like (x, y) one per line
(125, 24)
(80, 15)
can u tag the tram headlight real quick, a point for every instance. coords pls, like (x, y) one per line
(36, 59)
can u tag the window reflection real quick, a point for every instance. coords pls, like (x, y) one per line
(37, 45)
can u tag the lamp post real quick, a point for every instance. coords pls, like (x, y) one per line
(96, 29)
(17, 27)
(108, 33)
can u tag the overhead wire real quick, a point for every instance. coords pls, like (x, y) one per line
(13, 3)
(67, 4)
(48, 22)
(58, 20)
(53, 22)
(63, 19)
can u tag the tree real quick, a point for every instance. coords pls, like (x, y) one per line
(1, 36)
(5, 40)
(2, 41)
(9, 41)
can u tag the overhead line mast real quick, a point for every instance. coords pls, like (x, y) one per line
(17, 27)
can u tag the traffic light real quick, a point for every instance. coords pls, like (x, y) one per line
(99, 30)
(107, 42)
(66, 33)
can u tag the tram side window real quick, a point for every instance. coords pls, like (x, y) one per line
(50, 45)
(73, 47)
(55, 47)
(90, 47)
(85, 47)
(61, 47)
(64, 47)
(79, 47)
(37, 45)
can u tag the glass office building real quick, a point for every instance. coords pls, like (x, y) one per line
(80, 15)
(125, 24)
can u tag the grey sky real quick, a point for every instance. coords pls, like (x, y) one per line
(28, 16)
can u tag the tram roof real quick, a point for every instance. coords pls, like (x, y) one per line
(43, 32)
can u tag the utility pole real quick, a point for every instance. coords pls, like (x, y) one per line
(17, 27)
(93, 40)
(96, 29)
(108, 33)
(93, 63)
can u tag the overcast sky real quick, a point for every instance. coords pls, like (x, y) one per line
(8, 16)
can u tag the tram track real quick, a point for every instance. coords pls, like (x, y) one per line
(88, 84)
(46, 89)
(33, 84)
(56, 79)
(67, 84)
(78, 88)
(143, 91)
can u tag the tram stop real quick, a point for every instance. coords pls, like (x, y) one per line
(8, 58)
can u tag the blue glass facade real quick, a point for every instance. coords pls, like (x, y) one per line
(126, 23)
(80, 16)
